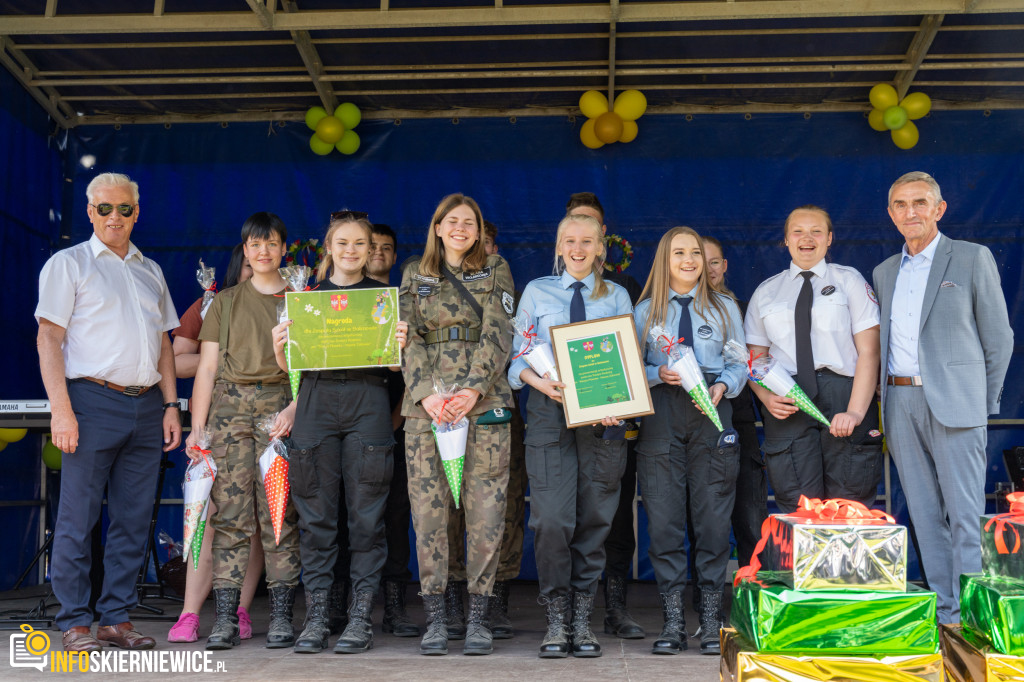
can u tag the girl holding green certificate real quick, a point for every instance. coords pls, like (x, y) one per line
(342, 438)
(574, 474)
(681, 453)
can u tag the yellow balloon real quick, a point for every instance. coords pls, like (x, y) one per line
(52, 456)
(314, 116)
(630, 105)
(12, 435)
(587, 136)
(629, 131)
(330, 129)
(593, 103)
(917, 105)
(875, 120)
(319, 147)
(883, 96)
(348, 114)
(3, 445)
(608, 127)
(349, 143)
(907, 136)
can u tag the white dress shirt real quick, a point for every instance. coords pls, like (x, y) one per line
(843, 305)
(905, 318)
(115, 312)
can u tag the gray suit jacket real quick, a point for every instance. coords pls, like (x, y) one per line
(966, 340)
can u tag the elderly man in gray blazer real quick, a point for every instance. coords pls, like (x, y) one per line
(946, 343)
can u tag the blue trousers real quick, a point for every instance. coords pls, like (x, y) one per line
(120, 441)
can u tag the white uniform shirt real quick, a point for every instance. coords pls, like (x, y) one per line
(843, 305)
(115, 312)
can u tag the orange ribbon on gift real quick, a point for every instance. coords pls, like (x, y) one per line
(833, 510)
(529, 335)
(1004, 521)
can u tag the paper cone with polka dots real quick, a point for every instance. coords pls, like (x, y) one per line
(451, 446)
(274, 469)
(196, 488)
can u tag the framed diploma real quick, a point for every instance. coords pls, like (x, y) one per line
(599, 362)
(344, 329)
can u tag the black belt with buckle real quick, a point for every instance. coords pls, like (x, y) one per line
(452, 334)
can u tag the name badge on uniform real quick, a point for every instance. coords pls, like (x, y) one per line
(704, 331)
(828, 291)
(483, 274)
(425, 290)
(424, 278)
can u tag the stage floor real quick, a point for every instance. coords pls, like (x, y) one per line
(399, 659)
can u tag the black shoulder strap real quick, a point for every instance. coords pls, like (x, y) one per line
(468, 297)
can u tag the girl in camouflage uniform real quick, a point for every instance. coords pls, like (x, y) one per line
(458, 302)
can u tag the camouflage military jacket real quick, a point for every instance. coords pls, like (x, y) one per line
(430, 303)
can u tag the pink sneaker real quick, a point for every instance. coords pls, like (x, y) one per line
(186, 629)
(244, 623)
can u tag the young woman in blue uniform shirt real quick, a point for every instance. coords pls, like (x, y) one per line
(574, 473)
(680, 453)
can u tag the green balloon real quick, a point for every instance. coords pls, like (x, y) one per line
(314, 115)
(349, 114)
(52, 456)
(349, 142)
(319, 147)
(895, 118)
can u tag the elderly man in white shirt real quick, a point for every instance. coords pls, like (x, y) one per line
(108, 369)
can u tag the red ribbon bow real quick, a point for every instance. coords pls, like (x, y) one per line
(213, 287)
(669, 342)
(204, 453)
(836, 509)
(750, 363)
(1004, 521)
(529, 335)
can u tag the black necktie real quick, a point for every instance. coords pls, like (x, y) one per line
(685, 326)
(802, 324)
(577, 311)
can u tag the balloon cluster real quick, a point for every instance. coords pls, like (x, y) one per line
(11, 436)
(334, 131)
(897, 116)
(618, 125)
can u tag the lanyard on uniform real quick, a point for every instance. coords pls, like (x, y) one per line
(468, 297)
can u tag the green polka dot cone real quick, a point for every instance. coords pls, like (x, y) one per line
(293, 379)
(453, 471)
(702, 397)
(804, 403)
(197, 542)
(453, 455)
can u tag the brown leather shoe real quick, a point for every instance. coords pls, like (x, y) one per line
(79, 638)
(124, 635)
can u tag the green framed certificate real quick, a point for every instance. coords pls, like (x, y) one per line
(344, 329)
(599, 363)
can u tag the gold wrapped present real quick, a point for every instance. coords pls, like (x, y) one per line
(741, 663)
(972, 661)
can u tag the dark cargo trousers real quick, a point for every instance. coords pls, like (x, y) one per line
(237, 444)
(342, 439)
(803, 458)
(680, 467)
(574, 492)
(751, 507)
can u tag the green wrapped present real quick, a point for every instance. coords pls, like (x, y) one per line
(776, 618)
(1002, 553)
(992, 610)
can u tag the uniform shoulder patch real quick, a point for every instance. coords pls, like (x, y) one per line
(424, 278)
(871, 293)
(507, 303)
(483, 274)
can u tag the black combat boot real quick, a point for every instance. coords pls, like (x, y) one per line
(280, 633)
(454, 611)
(711, 622)
(617, 620)
(556, 640)
(225, 630)
(584, 643)
(497, 612)
(396, 620)
(673, 635)
(313, 639)
(435, 639)
(358, 634)
(479, 640)
(337, 606)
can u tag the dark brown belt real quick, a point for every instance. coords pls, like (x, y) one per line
(904, 381)
(125, 390)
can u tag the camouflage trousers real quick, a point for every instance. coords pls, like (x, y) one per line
(511, 555)
(238, 491)
(484, 489)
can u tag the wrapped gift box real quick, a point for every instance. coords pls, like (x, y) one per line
(967, 660)
(741, 663)
(776, 618)
(1002, 545)
(857, 554)
(992, 609)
